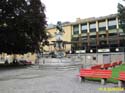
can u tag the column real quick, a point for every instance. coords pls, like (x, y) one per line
(106, 20)
(97, 33)
(117, 23)
(97, 26)
(117, 28)
(72, 29)
(88, 31)
(79, 28)
(107, 32)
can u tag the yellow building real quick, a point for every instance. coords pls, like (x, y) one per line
(66, 37)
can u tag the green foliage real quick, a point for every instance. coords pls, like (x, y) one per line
(22, 25)
(121, 14)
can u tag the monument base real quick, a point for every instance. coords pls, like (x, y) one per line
(58, 63)
(60, 54)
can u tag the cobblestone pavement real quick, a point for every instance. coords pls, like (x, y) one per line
(35, 80)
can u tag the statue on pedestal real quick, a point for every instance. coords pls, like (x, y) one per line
(59, 33)
(59, 43)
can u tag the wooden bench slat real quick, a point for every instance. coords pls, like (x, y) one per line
(121, 76)
(96, 67)
(105, 66)
(95, 73)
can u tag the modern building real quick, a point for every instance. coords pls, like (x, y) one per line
(101, 34)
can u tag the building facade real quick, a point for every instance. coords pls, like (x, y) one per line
(101, 34)
(66, 37)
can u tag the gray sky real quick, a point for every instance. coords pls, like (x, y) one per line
(69, 10)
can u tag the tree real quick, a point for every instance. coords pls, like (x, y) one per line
(22, 25)
(121, 14)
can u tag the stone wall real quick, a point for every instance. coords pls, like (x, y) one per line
(98, 58)
(28, 56)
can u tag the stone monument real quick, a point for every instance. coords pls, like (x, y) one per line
(59, 43)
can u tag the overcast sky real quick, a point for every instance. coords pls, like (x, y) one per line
(69, 10)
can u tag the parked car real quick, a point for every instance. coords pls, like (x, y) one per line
(24, 62)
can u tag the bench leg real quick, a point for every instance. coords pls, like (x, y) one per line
(82, 79)
(119, 83)
(123, 84)
(103, 81)
(110, 68)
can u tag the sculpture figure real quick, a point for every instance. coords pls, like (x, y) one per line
(59, 27)
(59, 44)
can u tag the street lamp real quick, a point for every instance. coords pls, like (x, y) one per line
(117, 49)
(91, 50)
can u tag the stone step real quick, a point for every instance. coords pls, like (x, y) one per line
(59, 67)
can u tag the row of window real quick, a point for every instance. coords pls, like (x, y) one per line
(92, 26)
(94, 36)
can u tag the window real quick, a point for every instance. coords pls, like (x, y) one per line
(112, 24)
(102, 35)
(84, 37)
(84, 28)
(74, 38)
(92, 27)
(76, 29)
(102, 26)
(112, 34)
(93, 36)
